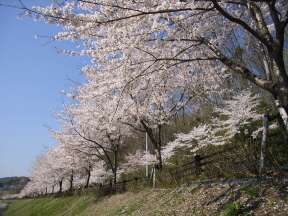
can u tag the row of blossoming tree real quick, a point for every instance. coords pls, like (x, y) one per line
(149, 60)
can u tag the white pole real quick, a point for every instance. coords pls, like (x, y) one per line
(146, 148)
(263, 143)
(154, 176)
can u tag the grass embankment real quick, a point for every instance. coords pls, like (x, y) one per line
(49, 206)
(224, 200)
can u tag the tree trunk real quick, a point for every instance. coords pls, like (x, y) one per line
(71, 181)
(155, 142)
(115, 167)
(280, 94)
(283, 113)
(53, 189)
(114, 180)
(88, 178)
(60, 186)
(159, 158)
(275, 70)
(159, 146)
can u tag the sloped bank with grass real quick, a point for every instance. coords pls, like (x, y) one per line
(218, 198)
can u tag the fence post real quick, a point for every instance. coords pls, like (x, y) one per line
(177, 175)
(124, 186)
(111, 186)
(263, 143)
(197, 160)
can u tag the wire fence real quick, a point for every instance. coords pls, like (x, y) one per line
(194, 168)
(188, 173)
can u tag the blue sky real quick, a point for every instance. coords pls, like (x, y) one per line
(32, 75)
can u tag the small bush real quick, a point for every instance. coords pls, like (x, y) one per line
(232, 209)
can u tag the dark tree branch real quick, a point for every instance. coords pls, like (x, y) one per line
(133, 126)
(100, 146)
(240, 69)
(241, 23)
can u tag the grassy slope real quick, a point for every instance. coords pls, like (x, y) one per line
(73, 205)
(187, 201)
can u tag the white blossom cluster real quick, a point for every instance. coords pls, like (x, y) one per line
(236, 113)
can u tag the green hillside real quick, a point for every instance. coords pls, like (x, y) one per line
(212, 199)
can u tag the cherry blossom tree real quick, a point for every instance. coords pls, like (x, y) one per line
(83, 159)
(232, 116)
(147, 37)
(150, 58)
(95, 129)
(56, 168)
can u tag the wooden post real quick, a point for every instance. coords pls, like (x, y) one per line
(197, 160)
(111, 186)
(177, 174)
(263, 143)
(124, 186)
